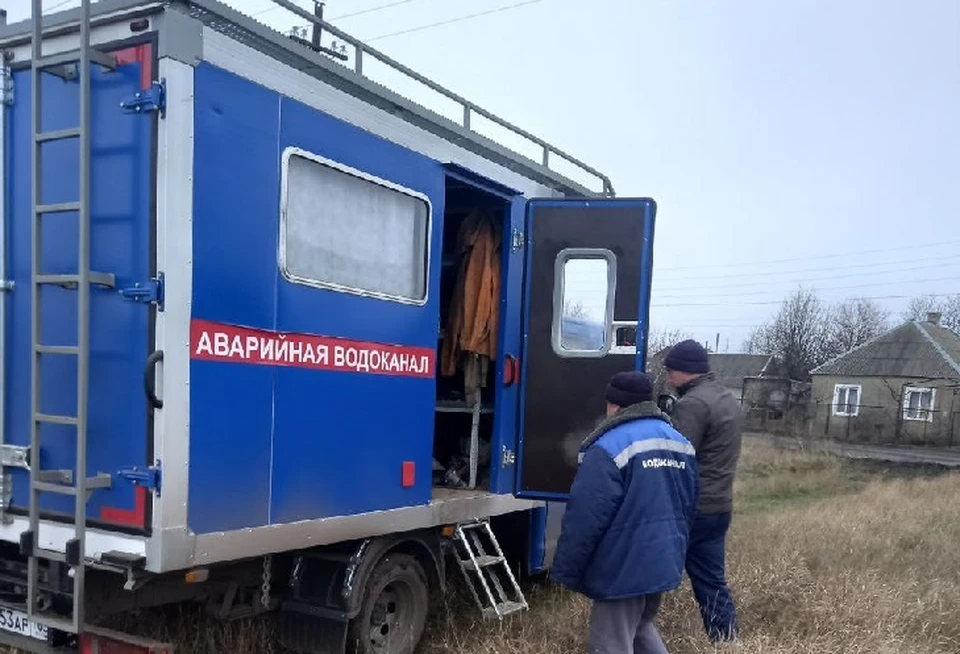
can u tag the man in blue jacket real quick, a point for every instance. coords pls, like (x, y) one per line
(624, 536)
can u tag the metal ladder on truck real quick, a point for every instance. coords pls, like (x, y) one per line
(487, 571)
(72, 66)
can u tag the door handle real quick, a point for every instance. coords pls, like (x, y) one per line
(149, 381)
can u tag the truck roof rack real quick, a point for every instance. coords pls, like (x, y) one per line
(350, 79)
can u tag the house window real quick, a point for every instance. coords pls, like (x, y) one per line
(584, 291)
(918, 404)
(347, 231)
(846, 400)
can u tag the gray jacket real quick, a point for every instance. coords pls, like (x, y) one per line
(708, 415)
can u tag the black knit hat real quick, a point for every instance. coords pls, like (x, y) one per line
(628, 388)
(689, 357)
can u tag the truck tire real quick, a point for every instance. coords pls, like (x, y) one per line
(393, 611)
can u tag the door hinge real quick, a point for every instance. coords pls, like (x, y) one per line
(6, 78)
(148, 477)
(508, 458)
(152, 99)
(15, 456)
(151, 292)
(518, 240)
(6, 496)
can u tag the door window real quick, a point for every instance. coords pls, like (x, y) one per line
(583, 311)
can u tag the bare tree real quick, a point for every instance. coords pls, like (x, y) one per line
(574, 310)
(852, 323)
(948, 307)
(659, 339)
(951, 313)
(797, 335)
(758, 341)
(922, 305)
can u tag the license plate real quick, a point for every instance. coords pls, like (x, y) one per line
(17, 622)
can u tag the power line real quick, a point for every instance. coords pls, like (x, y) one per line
(953, 278)
(361, 12)
(420, 28)
(371, 10)
(777, 302)
(698, 288)
(57, 6)
(809, 258)
(584, 286)
(451, 21)
(803, 271)
(943, 262)
(711, 325)
(265, 10)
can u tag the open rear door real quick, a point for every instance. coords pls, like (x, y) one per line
(587, 295)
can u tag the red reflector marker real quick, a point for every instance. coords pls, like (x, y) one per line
(409, 474)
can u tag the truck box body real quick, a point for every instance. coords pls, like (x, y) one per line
(284, 232)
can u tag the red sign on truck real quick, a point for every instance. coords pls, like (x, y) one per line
(211, 341)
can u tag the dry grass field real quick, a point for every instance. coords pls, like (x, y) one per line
(826, 556)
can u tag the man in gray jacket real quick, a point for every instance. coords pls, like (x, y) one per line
(708, 415)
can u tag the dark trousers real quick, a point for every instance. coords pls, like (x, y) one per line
(625, 627)
(706, 562)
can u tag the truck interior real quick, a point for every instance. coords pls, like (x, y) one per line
(467, 344)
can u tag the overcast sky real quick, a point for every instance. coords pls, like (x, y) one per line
(785, 141)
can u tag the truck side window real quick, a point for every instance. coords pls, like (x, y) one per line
(344, 230)
(584, 292)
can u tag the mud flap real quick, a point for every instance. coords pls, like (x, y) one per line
(311, 634)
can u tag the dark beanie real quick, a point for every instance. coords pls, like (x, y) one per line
(689, 357)
(629, 388)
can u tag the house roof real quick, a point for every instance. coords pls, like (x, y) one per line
(729, 369)
(922, 350)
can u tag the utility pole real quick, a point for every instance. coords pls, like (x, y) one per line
(317, 30)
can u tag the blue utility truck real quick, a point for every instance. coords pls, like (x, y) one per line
(276, 338)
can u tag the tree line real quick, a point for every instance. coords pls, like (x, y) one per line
(806, 332)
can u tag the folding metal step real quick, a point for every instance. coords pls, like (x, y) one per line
(55, 476)
(488, 574)
(65, 350)
(106, 280)
(56, 420)
(92, 483)
(58, 135)
(484, 562)
(58, 207)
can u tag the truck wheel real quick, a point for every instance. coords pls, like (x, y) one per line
(394, 608)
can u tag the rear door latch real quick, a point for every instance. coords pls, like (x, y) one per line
(150, 292)
(148, 100)
(148, 477)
